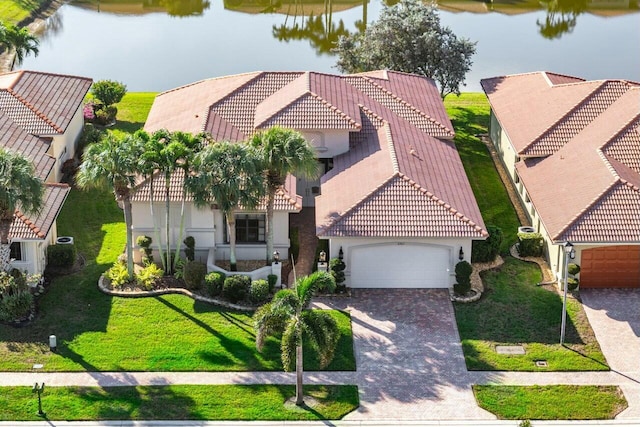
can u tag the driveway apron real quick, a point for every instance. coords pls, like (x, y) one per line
(409, 358)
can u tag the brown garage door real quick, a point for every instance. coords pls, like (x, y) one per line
(611, 267)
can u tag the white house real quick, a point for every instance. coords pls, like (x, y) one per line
(394, 199)
(40, 118)
(572, 149)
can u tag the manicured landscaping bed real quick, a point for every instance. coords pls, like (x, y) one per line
(514, 311)
(97, 332)
(553, 402)
(211, 402)
(470, 116)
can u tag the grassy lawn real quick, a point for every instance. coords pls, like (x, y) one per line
(14, 11)
(220, 402)
(97, 332)
(555, 402)
(470, 116)
(514, 311)
(133, 111)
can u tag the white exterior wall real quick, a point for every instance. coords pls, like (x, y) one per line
(34, 253)
(452, 244)
(328, 143)
(63, 147)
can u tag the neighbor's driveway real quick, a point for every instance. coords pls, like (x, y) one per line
(409, 358)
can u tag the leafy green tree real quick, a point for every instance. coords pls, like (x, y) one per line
(288, 315)
(113, 162)
(19, 189)
(108, 92)
(226, 175)
(20, 40)
(282, 152)
(409, 37)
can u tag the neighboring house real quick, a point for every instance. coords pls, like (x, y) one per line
(394, 200)
(40, 118)
(572, 149)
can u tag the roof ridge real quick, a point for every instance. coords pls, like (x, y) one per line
(634, 121)
(411, 106)
(34, 110)
(462, 217)
(209, 79)
(331, 106)
(30, 224)
(48, 73)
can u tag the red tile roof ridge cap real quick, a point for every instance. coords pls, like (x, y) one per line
(392, 146)
(632, 122)
(34, 110)
(26, 221)
(175, 89)
(341, 113)
(462, 217)
(555, 124)
(544, 74)
(411, 106)
(579, 214)
(287, 197)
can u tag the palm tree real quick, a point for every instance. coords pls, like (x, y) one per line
(166, 152)
(113, 162)
(283, 152)
(22, 42)
(288, 314)
(226, 175)
(19, 189)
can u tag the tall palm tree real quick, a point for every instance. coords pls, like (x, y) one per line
(22, 42)
(164, 153)
(283, 152)
(288, 314)
(113, 162)
(226, 175)
(19, 189)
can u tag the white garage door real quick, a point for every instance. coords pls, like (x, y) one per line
(399, 266)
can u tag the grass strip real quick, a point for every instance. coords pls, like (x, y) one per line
(551, 402)
(177, 402)
(514, 311)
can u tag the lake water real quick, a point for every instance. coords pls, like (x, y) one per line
(155, 45)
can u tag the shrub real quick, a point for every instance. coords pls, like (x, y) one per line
(90, 135)
(16, 306)
(487, 250)
(145, 249)
(236, 287)
(259, 291)
(108, 92)
(463, 278)
(214, 282)
(272, 279)
(573, 268)
(572, 283)
(337, 267)
(531, 244)
(149, 276)
(190, 250)
(61, 256)
(118, 275)
(194, 273)
(459, 289)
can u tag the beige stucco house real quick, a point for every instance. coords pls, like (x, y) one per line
(394, 197)
(572, 149)
(40, 118)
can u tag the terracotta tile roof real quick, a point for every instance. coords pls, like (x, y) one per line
(16, 139)
(42, 103)
(584, 193)
(29, 228)
(547, 106)
(397, 122)
(286, 199)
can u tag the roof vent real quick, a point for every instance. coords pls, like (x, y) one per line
(64, 240)
(526, 229)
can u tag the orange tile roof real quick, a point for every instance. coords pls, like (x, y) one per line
(30, 228)
(588, 190)
(398, 129)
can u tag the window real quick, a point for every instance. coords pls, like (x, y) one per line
(250, 228)
(16, 251)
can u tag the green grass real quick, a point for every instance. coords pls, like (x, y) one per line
(514, 311)
(469, 114)
(554, 402)
(133, 111)
(218, 402)
(97, 332)
(14, 11)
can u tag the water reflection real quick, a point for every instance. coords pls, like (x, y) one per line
(179, 8)
(561, 17)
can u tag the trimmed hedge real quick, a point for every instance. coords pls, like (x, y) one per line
(487, 250)
(214, 282)
(531, 244)
(259, 291)
(236, 287)
(194, 273)
(463, 278)
(61, 256)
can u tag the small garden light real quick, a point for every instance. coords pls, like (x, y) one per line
(53, 343)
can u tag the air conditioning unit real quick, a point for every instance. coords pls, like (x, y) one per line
(526, 229)
(64, 240)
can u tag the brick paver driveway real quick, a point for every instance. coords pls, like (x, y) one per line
(409, 358)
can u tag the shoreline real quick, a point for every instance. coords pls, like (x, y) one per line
(33, 22)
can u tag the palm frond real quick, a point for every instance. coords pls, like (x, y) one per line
(322, 332)
(290, 341)
(307, 286)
